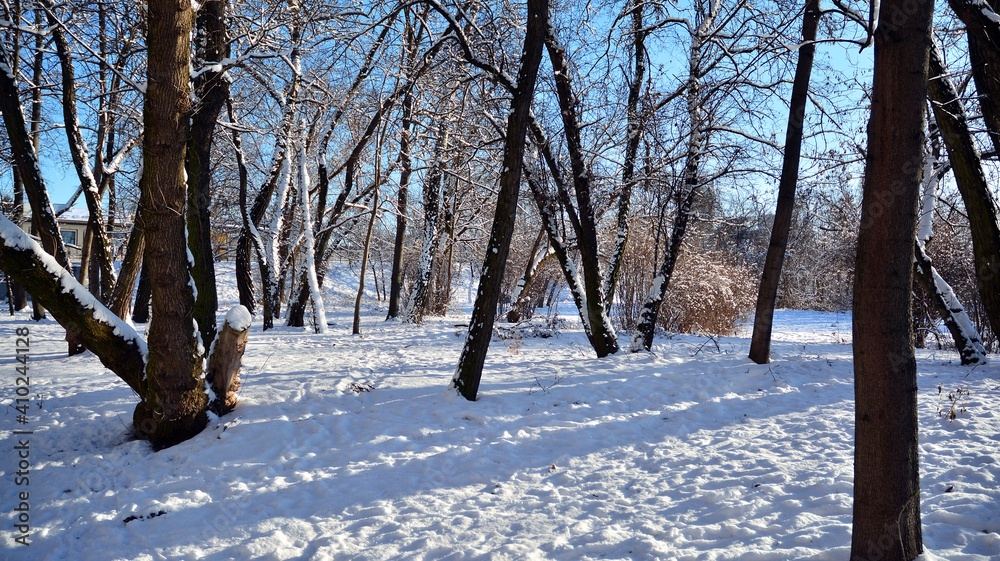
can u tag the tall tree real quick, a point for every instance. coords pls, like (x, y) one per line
(633, 136)
(211, 88)
(477, 341)
(410, 40)
(886, 517)
(174, 408)
(594, 313)
(760, 342)
(697, 140)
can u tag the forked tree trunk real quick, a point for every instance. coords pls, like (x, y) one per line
(767, 295)
(601, 333)
(175, 403)
(115, 343)
(470, 364)
(886, 517)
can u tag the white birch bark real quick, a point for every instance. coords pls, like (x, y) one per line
(309, 263)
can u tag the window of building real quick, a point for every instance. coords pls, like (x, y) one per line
(69, 236)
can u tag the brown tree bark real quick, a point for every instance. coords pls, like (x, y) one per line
(224, 370)
(966, 165)
(760, 342)
(115, 343)
(140, 312)
(984, 58)
(121, 297)
(886, 517)
(477, 342)
(174, 408)
(211, 90)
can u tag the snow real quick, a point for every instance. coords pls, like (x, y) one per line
(354, 448)
(15, 237)
(239, 317)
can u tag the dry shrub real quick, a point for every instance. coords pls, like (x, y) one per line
(707, 294)
(709, 291)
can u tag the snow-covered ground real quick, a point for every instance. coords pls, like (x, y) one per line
(346, 447)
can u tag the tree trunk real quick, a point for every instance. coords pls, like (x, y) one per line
(477, 342)
(121, 296)
(522, 299)
(760, 342)
(548, 209)
(646, 328)
(963, 332)
(633, 136)
(174, 408)
(227, 356)
(309, 250)
(968, 343)
(967, 168)
(356, 329)
(886, 517)
(140, 312)
(415, 306)
(597, 324)
(211, 91)
(983, 29)
(402, 196)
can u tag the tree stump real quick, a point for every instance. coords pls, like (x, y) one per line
(227, 357)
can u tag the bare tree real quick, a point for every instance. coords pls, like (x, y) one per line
(886, 518)
(760, 343)
(477, 341)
